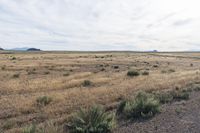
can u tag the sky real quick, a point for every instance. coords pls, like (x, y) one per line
(138, 25)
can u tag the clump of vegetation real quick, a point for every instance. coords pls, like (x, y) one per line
(94, 120)
(180, 95)
(171, 70)
(145, 73)
(143, 106)
(8, 125)
(86, 83)
(116, 67)
(133, 73)
(103, 69)
(164, 97)
(196, 87)
(155, 66)
(66, 74)
(49, 127)
(163, 71)
(31, 71)
(13, 58)
(43, 100)
(16, 75)
(168, 71)
(3, 67)
(30, 129)
(47, 72)
(178, 110)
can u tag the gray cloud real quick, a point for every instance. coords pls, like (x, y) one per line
(100, 24)
(182, 22)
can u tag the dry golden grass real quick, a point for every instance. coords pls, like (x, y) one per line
(41, 74)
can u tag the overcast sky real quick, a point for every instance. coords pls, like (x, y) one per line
(165, 25)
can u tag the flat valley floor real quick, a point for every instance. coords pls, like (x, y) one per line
(26, 76)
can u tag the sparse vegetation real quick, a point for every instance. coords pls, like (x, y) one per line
(171, 70)
(43, 100)
(86, 83)
(142, 106)
(16, 75)
(164, 97)
(133, 73)
(8, 124)
(30, 129)
(94, 120)
(116, 67)
(32, 97)
(66, 74)
(47, 72)
(13, 58)
(180, 95)
(145, 73)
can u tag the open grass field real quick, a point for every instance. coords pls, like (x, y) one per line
(72, 80)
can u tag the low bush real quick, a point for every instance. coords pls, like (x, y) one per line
(143, 106)
(145, 73)
(30, 129)
(16, 75)
(47, 72)
(164, 97)
(133, 73)
(180, 95)
(66, 74)
(171, 70)
(49, 127)
(86, 83)
(94, 120)
(116, 67)
(43, 100)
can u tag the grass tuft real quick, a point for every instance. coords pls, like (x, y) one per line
(94, 120)
(143, 106)
(133, 73)
(43, 100)
(86, 83)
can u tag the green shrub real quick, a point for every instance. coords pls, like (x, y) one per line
(8, 125)
(30, 129)
(49, 127)
(163, 71)
(94, 120)
(144, 105)
(87, 83)
(133, 73)
(171, 70)
(66, 74)
(180, 95)
(13, 58)
(145, 73)
(155, 66)
(47, 72)
(196, 87)
(43, 100)
(116, 67)
(164, 97)
(3, 67)
(16, 75)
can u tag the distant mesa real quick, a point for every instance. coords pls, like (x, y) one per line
(1, 49)
(33, 49)
(155, 50)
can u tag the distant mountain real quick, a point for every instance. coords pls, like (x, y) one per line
(1, 49)
(33, 49)
(19, 49)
